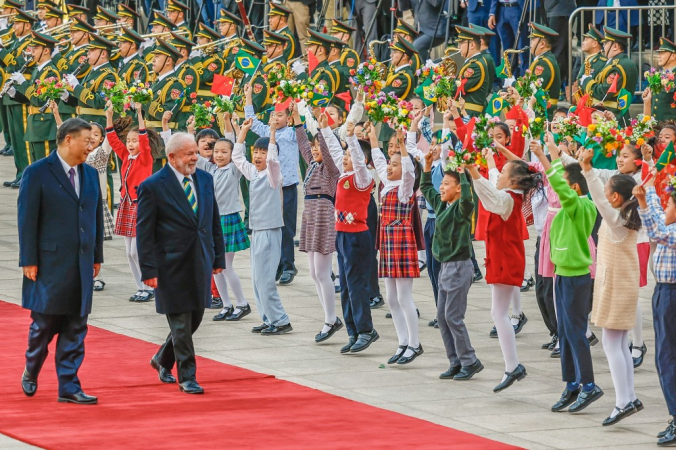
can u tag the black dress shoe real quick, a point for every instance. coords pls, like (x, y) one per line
(10, 183)
(80, 398)
(547, 345)
(239, 312)
(364, 340)
(350, 343)
(638, 361)
(376, 302)
(274, 330)
(29, 385)
(467, 372)
(450, 373)
(661, 434)
(16, 184)
(517, 375)
(478, 276)
(190, 387)
(396, 356)
(436, 324)
(585, 399)
(163, 373)
(593, 340)
(408, 359)
(669, 438)
(145, 296)
(287, 277)
(522, 321)
(216, 303)
(556, 353)
(552, 346)
(259, 328)
(567, 398)
(627, 411)
(388, 315)
(493, 333)
(224, 314)
(431, 323)
(335, 326)
(99, 285)
(9, 152)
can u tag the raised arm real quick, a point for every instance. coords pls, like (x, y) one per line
(494, 200)
(247, 169)
(362, 175)
(274, 167)
(405, 191)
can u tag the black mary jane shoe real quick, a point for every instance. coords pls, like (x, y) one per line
(638, 405)
(239, 312)
(547, 345)
(627, 411)
(522, 321)
(408, 359)
(99, 285)
(661, 434)
(216, 303)
(274, 330)
(638, 361)
(396, 356)
(517, 375)
(567, 398)
(224, 314)
(335, 326)
(135, 297)
(493, 333)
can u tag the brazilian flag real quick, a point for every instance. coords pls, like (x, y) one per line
(247, 64)
(500, 70)
(420, 92)
(623, 101)
(542, 98)
(495, 105)
(666, 157)
(320, 100)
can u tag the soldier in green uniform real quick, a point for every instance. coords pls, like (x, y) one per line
(473, 75)
(341, 71)
(544, 63)
(319, 44)
(349, 58)
(592, 46)
(133, 67)
(9, 9)
(127, 16)
(176, 11)
(40, 12)
(41, 127)
(278, 19)
(12, 60)
(53, 17)
(188, 70)
(160, 24)
(275, 44)
(662, 106)
(104, 19)
(620, 72)
(74, 60)
(400, 78)
(406, 32)
(76, 11)
(227, 26)
(210, 62)
(87, 94)
(486, 54)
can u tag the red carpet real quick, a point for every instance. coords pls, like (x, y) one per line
(241, 409)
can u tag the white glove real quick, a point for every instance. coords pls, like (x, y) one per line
(584, 77)
(55, 51)
(147, 43)
(4, 23)
(64, 95)
(509, 82)
(72, 79)
(18, 78)
(298, 67)
(195, 53)
(11, 92)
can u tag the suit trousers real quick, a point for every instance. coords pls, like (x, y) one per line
(299, 22)
(365, 15)
(507, 29)
(265, 252)
(72, 330)
(354, 250)
(433, 266)
(455, 279)
(544, 294)
(664, 320)
(179, 348)
(573, 303)
(290, 210)
(560, 47)
(372, 222)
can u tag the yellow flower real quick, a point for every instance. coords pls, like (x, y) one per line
(598, 134)
(310, 94)
(132, 90)
(640, 141)
(626, 141)
(538, 120)
(591, 128)
(609, 146)
(404, 111)
(646, 119)
(373, 61)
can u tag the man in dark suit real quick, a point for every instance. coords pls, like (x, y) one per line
(180, 244)
(61, 251)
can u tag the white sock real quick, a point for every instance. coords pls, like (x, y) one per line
(132, 258)
(222, 286)
(320, 271)
(616, 347)
(399, 293)
(233, 279)
(502, 296)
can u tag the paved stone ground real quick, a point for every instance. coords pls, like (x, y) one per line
(518, 416)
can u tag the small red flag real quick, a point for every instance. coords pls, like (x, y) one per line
(284, 105)
(584, 112)
(330, 120)
(222, 85)
(347, 98)
(469, 142)
(461, 88)
(613, 87)
(312, 62)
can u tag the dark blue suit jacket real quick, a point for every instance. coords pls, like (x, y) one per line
(473, 5)
(175, 246)
(622, 16)
(495, 5)
(62, 235)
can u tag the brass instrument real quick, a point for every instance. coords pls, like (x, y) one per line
(449, 66)
(110, 26)
(508, 65)
(290, 74)
(577, 95)
(225, 41)
(234, 72)
(3, 16)
(165, 33)
(380, 67)
(58, 28)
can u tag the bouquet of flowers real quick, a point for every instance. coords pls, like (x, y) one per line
(140, 92)
(480, 135)
(276, 74)
(528, 84)
(659, 80)
(639, 130)
(671, 185)
(226, 104)
(383, 107)
(300, 90)
(605, 135)
(368, 76)
(203, 113)
(49, 89)
(536, 128)
(117, 94)
(568, 127)
(459, 155)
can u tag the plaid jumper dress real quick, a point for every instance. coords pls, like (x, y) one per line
(398, 248)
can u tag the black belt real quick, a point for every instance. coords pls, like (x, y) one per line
(318, 196)
(509, 5)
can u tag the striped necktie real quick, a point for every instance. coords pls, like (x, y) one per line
(190, 194)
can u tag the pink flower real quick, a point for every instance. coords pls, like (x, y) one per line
(466, 156)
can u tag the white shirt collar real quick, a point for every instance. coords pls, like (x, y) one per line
(66, 166)
(179, 175)
(99, 66)
(165, 75)
(41, 66)
(476, 54)
(400, 67)
(128, 58)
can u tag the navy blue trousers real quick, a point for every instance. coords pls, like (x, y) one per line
(372, 222)
(664, 320)
(544, 294)
(287, 261)
(433, 266)
(354, 250)
(72, 330)
(573, 303)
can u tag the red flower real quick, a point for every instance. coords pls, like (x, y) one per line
(207, 104)
(194, 101)
(193, 95)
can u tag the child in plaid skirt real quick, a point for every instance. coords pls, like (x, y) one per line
(137, 165)
(398, 247)
(226, 188)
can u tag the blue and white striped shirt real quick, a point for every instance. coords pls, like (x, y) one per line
(652, 219)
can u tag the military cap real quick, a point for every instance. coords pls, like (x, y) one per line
(13, 4)
(252, 48)
(278, 10)
(23, 16)
(126, 11)
(228, 17)
(272, 38)
(179, 41)
(98, 41)
(42, 4)
(74, 9)
(341, 27)
(403, 27)
(594, 33)
(162, 20)
(207, 32)
(666, 45)
(129, 35)
(80, 25)
(613, 35)
(468, 34)
(104, 14)
(54, 12)
(316, 38)
(486, 31)
(541, 31)
(42, 40)
(175, 5)
(404, 46)
(165, 48)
